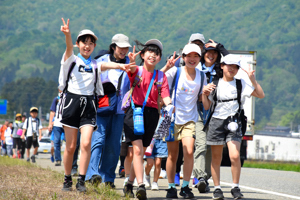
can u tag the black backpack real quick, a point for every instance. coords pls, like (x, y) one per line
(241, 112)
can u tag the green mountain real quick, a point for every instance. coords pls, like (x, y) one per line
(32, 45)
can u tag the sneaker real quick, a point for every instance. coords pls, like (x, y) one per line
(128, 190)
(154, 186)
(28, 160)
(218, 194)
(32, 158)
(74, 171)
(163, 174)
(122, 173)
(95, 180)
(202, 186)
(147, 181)
(177, 179)
(172, 193)
(67, 185)
(110, 184)
(141, 192)
(58, 163)
(236, 193)
(19, 155)
(80, 186)
(186, 192)
(14, 156)
(195, 182)
(52, 159)
(125, 181)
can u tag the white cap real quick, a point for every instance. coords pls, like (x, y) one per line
(87, 32)
(189, 48)
(197, 36)
(230, 59)
(121, 40)
(155, 42)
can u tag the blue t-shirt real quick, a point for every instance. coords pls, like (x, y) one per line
(53, 105)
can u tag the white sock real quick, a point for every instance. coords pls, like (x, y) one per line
(217, 187)
(235, 185)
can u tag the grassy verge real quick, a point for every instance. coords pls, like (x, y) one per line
(272, 165)
(22, 180)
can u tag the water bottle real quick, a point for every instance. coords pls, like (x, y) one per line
(149, 149)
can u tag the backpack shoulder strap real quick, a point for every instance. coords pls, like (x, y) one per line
(239, 92)
(72, 65)
(95, 67)
(174, 80)
(202, 80)
(119, 83)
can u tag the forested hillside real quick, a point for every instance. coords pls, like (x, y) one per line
(32, 45)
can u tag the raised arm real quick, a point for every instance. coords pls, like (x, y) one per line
(170, 63)
(65, 29)
(258, 91)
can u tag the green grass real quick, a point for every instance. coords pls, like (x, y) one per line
(283, 166)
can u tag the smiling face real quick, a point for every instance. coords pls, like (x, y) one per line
(120, 53)
(229, 71)
(86, 47)
(150, 58)
(210, 57)
(191, 60)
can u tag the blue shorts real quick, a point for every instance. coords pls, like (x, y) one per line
(160, 150)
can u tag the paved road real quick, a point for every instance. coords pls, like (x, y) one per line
(257, 184)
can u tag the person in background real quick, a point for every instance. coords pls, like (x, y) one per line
(2, 137)
(9, 139)
(32, 127)
(23, 141)
(17, 127)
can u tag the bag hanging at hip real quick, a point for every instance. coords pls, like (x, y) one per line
(107, 104)
(170, 137)
(138, 121)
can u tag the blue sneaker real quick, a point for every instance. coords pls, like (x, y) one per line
(177, 179)
(52, 159)
(195, 181)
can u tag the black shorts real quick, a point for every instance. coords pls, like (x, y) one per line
(150, 122)
(78, 111)
(218, 134)
(30, 142)
(17, 142)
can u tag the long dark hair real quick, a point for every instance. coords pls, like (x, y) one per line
(149, 47)
(111, 48)
(219, 71)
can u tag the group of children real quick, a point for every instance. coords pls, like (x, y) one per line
(142, 88)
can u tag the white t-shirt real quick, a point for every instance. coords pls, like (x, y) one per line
(186, 95)
(81, 82)
(7, 135)
(225, 91)
(57, 116)
(32, 126)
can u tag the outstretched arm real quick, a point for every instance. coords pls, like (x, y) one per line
(65, 29)
(113, 65)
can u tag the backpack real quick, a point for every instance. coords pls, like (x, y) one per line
(37, 124)
(240, 113)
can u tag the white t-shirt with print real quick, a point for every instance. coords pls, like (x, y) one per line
(32, 126)
(81, 82)
(228, 90)
(186, 95)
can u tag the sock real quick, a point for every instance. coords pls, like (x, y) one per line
(235, 185)
(81, 177)
(217, 187)
(129, 182)
(185, 183)
(68, 177)
(141, 184)
(172, 185)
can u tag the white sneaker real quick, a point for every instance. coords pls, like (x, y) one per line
(163, 174)
(147, 181)
(154, 186)
(135, 183)
(125, 181)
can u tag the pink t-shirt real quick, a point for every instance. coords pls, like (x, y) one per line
(141, 88)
